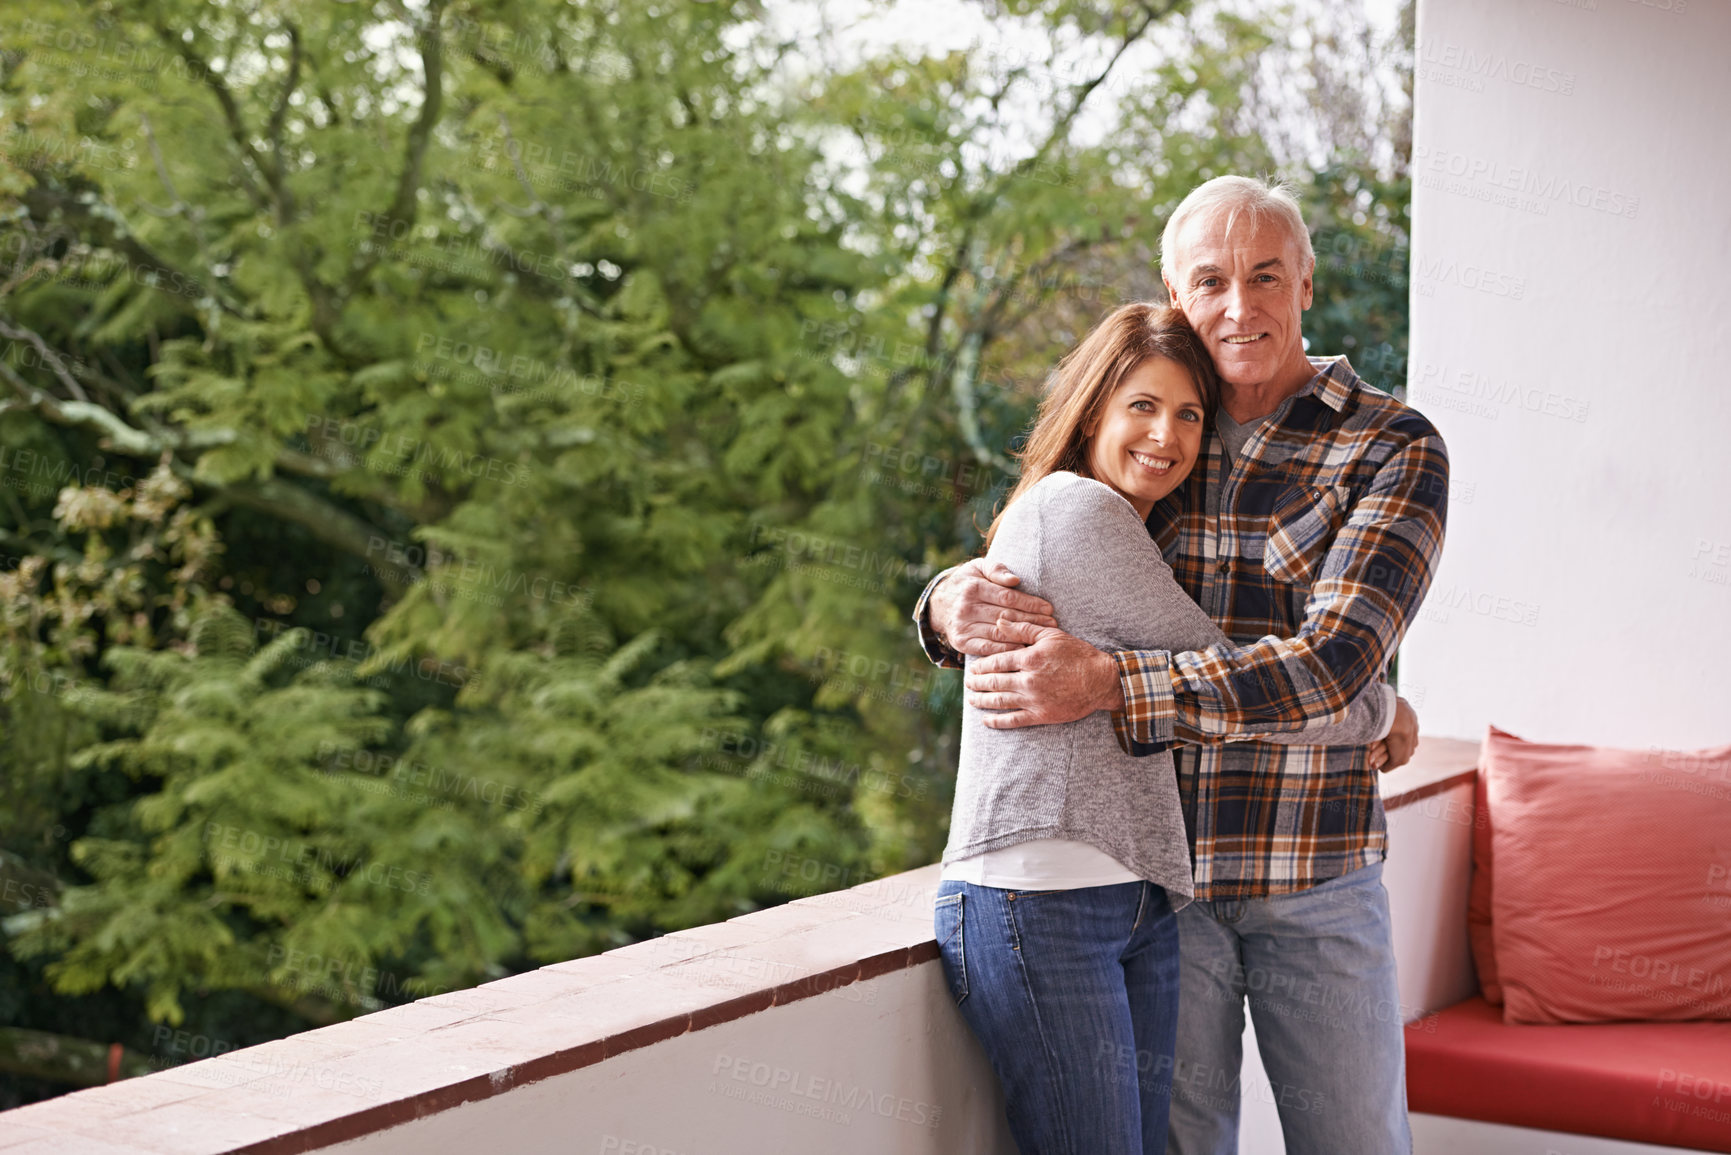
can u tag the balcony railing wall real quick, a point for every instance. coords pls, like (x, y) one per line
(821, 1025)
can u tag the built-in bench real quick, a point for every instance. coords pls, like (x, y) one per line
(1665, 1084)
(1476, 1084)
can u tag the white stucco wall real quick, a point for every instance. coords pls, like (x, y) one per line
(1571, 334)
(881, 1065)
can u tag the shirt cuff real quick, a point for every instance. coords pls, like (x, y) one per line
(935, 647)
(1144, 726)
(1388, 697)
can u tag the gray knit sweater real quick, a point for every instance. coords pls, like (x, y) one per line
(1079, 545)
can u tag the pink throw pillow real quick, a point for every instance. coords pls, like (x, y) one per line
(1611, 898)
(1479, 899)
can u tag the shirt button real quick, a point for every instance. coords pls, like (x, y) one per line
(1225, 565)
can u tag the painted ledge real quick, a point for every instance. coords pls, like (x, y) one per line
(1437, 765)
(326, 1086)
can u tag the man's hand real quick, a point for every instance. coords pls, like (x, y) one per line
(1040, 677)
(1397, 748)
(966, 606)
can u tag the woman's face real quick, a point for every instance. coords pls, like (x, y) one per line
(1150, 434)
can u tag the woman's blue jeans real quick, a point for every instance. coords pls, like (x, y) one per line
(1074, 996)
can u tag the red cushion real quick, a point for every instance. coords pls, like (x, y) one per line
(1612, 868)
(1663, 1083)
(1479, 900)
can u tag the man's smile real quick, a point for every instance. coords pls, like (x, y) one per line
(1244, 339)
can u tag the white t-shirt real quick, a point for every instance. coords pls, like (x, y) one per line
(1041, 864)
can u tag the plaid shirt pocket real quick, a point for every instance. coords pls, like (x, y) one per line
(1300, 531)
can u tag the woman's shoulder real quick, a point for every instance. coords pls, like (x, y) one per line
(1082, 498)
(1060, 513)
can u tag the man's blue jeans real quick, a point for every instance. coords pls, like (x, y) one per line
(1317, 968)
(1074, 996)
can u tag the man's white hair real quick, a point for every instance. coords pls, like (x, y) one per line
(1256, 200)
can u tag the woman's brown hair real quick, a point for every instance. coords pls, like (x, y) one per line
(1090, 373)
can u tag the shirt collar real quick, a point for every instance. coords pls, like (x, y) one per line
(1334, 383)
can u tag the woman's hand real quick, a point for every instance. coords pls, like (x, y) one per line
(1397, 749)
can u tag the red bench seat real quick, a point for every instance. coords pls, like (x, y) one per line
(1662, 1083)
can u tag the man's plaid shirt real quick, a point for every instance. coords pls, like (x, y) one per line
(1330, 530)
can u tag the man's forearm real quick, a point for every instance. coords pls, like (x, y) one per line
(1228, 691)
(1368, 587)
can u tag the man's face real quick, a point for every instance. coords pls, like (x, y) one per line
(1245, 293)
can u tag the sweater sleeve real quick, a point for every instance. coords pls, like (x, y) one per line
(1102, 571)
(937, 650)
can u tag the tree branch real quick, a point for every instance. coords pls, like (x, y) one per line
(116, 434)
(934, 331)
(64, 1058)
(176, 206)
(326, 521)
(1005, 293)
(326, 304)
(329, 523)
(279, 114)
(403, 205)
(499, 68)
(103, 226)
(49, 357)
(1081, 92)
(237, 129)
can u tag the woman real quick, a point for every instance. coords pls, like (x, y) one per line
(1067, 857)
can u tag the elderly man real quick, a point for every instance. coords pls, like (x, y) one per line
(1309, 531)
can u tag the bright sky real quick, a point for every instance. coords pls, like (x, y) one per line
(859, 28)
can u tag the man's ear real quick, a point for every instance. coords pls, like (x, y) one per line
(1308, 285)
(1171, 293)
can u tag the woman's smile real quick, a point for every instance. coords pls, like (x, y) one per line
(1156, 465)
